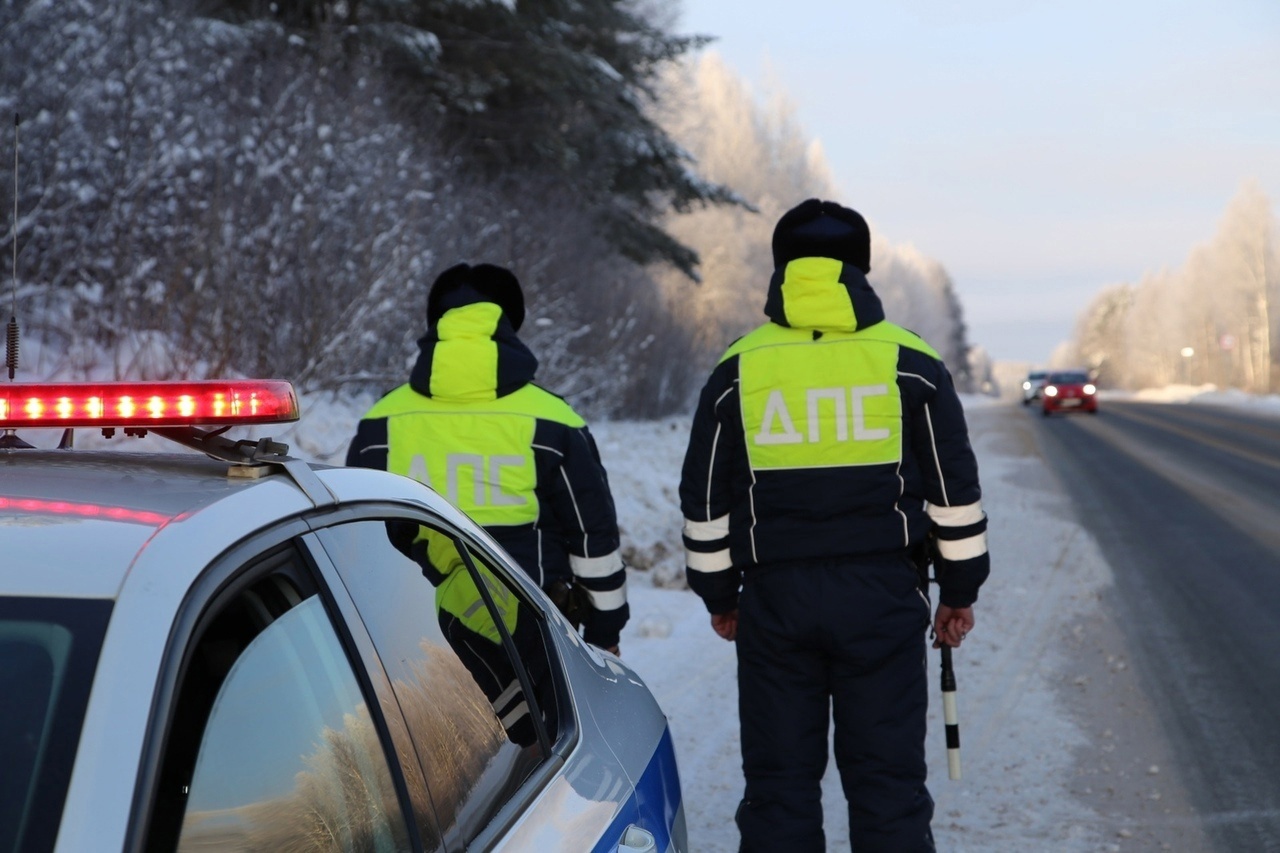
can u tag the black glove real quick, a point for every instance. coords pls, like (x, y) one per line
(924, 555)
(571, 600)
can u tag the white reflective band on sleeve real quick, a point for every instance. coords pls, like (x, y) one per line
(707, 531)
(518, 713)
(611, 600)
(956, 516)
(716, 561)
(595, 567)
(507, 695)
(963, 549)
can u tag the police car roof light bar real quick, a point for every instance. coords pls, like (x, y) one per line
(147, 405)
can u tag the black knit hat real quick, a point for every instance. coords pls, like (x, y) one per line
(460, 284)
(822, 229)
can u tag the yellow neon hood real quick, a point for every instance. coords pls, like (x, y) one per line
(472, 354)
(823, 294)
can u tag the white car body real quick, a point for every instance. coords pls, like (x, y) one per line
(164, 539)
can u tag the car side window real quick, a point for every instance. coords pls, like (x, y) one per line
(273, 746)
(48, 653)
(529, 644)
(445, 641)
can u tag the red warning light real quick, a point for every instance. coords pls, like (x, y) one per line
(147, 404)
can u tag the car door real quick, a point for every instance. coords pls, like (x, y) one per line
(273, 736)
(48, 652)
(471, 667)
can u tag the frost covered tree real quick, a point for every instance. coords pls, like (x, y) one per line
(1101, 339)
(758, 148)
(269, 188)
(1240, 268)
(183, 181)
(918, 293)
(560, 87)
(204, 194)
(1220, 308)
(983, 373)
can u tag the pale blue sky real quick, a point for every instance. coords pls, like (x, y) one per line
(1039, 150)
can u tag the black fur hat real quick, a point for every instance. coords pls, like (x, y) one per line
(460, 284)
(822, 229)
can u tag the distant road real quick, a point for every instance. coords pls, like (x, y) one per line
(1185, 503)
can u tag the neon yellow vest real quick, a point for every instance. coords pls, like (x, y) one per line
(457, 593)
(477, 454)
(845, 408)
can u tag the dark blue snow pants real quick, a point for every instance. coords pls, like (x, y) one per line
(846, 636)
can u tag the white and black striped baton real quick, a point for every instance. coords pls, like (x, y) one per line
(949, 714)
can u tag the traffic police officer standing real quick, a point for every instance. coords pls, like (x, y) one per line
(827, 446)
(471, 424)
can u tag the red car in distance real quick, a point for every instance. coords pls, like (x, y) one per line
(1069, 391)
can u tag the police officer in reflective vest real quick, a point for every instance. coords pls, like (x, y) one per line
(828, 445)
(517, 459)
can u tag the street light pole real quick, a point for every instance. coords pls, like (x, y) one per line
(1187, 353)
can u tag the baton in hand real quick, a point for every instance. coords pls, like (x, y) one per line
(949, 714)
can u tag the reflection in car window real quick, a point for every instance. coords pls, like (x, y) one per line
(461, 695)
(527, 638)
(290, 758)
(48, 651)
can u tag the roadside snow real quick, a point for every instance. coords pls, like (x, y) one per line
(1205, 394)
(1017, 745)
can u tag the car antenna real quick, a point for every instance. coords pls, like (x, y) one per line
(11, 331)
(9, 438)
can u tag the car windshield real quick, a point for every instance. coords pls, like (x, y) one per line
(1036, 374)
(48, 651)
(1069, 378)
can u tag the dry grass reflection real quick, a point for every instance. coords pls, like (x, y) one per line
(343, 798)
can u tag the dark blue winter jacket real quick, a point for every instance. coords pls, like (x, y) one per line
(829, 432)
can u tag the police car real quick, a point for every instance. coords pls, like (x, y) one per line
(232, 649)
